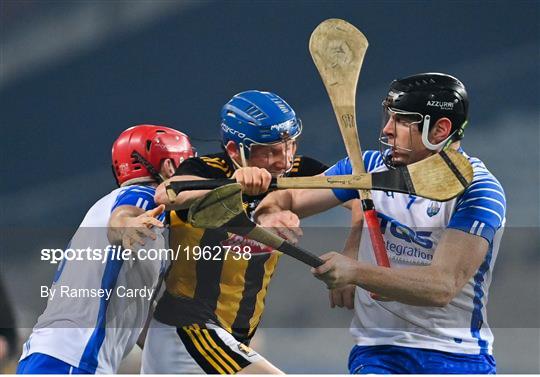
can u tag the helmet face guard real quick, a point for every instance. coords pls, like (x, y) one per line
(398, 121)
(264, 154)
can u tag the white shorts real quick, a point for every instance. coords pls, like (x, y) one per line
(194, 349)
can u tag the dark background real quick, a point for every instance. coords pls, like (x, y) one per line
(75, 74)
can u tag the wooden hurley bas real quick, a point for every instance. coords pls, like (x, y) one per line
(440, 177)
(223, 208)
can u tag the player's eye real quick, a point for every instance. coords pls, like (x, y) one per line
(404, 119)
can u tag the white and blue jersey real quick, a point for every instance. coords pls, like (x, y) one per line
(412, 227)
(100, 306)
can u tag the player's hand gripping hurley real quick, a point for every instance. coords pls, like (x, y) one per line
(338, 50)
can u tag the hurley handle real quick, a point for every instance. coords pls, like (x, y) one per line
(269, 238)
(374, 227)
(300, 254)
(204, 184)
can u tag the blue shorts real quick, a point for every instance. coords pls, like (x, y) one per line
(39, 363)
(405, 360)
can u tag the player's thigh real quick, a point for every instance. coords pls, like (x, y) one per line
(199, 349)
(217, 351)
(254, 364)
(165, 353)
(261, 367)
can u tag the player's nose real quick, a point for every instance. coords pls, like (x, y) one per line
(389, 129)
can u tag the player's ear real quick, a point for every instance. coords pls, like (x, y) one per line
(168, 168)
(232, 150)
(440, 130)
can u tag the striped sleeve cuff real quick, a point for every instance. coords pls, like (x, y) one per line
(473, 226)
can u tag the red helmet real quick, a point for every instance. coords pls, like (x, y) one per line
(138, 152)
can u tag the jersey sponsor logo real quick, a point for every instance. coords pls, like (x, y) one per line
(441, 105)
(410, 254)
(403, 232)
(433, 209)
(253, 246)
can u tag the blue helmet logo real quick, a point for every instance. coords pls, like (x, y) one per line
(255, 117)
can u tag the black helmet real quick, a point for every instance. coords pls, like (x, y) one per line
(433, 95)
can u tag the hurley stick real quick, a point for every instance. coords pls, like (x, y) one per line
(338, 50)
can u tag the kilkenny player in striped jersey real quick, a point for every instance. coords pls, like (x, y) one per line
(214, 301)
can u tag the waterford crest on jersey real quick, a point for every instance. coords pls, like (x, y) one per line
(99, 306)
(412, 228)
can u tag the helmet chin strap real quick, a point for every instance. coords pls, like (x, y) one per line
(243, 155)
(425, 131)
(153, 172)
(243, 158)
(245, 164)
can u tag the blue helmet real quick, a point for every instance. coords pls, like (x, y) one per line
(255, 117)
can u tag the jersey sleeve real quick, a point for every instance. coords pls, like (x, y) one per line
(137, 196)
(372, 160)
(481, 209)
(304, 166)
(342, 167)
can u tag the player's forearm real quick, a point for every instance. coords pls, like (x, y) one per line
(352, 243)
(422, 286)
(276, 201)
(185, 199)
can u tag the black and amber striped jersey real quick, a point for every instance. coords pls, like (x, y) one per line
(226, 290)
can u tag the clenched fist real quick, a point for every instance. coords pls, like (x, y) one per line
(337, 271)
(254, 181)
